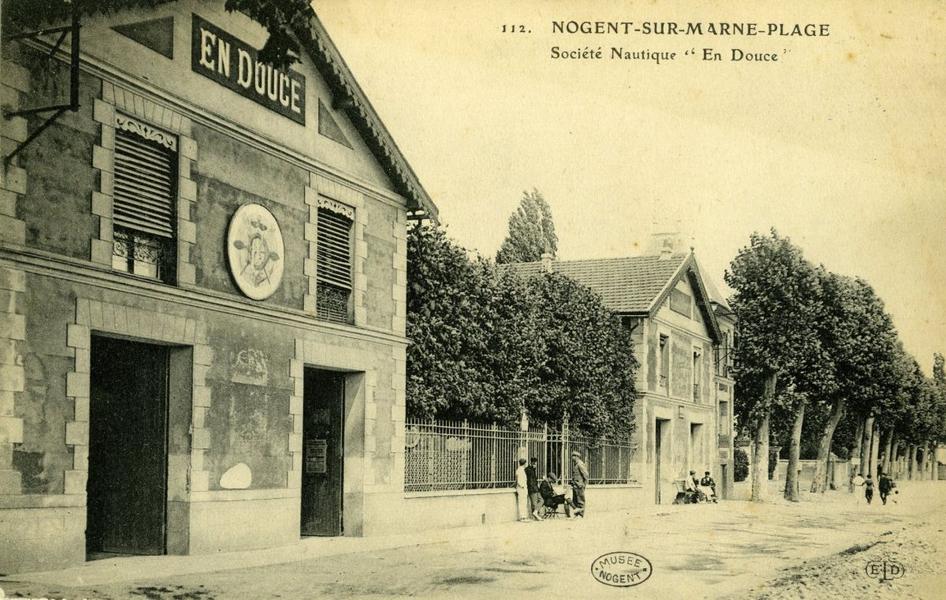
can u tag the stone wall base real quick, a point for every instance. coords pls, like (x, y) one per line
(392, 514)
(41, 539)
(243, 524)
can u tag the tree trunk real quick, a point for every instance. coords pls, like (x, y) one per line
(888, 447)
(931, 462)
(934, 464)
(864, 468)
(820, 482)
(794, 454)
(894, 456)
(760, 444)
(856, 450)
(874, 451)
(924, 463)
(911, 462)
(760, 458)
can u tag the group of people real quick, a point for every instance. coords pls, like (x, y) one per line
(702, 490)
(534, 496)
(884, 484)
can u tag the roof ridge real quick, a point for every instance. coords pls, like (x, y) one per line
(603, 259)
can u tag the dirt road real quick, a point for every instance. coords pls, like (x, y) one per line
(819, 548)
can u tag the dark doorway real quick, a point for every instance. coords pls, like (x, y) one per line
(323, 451)
(724, 480)
(697, 454)
(127, 485)
(659, 427)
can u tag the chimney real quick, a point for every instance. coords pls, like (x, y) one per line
(665, 244)
(666, 250)
(547, 262)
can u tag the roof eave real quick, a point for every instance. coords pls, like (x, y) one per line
(710, 317)
(349, 96)
(715, 332)
(665, 291)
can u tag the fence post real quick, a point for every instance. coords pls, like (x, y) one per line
(602, 448)
(431, 443)
(523, 435)
(492, 455)
(467, 452)
(566, 468)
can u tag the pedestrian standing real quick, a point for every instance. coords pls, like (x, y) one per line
(522, 491)
(869, 488)
(532, 485)
(579, 483)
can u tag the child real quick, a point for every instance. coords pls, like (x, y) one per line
(869, 488)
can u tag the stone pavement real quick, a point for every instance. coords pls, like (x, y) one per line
(697, 551)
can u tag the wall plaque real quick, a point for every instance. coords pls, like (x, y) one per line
(232, 63)
(255, 251)
(316, 456)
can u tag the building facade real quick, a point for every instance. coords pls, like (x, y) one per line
(683, 415)
(725, 388)
(203, 275)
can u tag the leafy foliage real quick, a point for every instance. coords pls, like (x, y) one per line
(285, 20)
(829, 342)
(588, 367)
(777, 301)
(773, 461)
(486, 344)
(531, 231)
(740, 465)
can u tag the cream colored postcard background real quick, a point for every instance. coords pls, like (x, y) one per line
(839, 145)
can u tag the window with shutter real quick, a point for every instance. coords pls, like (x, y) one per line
(334, 264)
(143, 200)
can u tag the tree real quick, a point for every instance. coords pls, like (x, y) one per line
(458, 338)
(488, 344)
(774, 287)
(740, 465)
(924, 426)
(531, 231)
(859, 336)
(589, 366)
(286, 21)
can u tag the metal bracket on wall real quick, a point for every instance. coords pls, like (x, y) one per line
(58, 109)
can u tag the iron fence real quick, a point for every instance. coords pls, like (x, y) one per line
(459, 455)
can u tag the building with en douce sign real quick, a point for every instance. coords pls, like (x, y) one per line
(202, 286)
(683, 333)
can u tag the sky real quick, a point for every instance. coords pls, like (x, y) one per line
(840, 144)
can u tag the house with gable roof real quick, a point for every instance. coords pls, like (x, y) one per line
(682, 331)
(204, 268)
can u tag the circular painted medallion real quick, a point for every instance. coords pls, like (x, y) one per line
(255, 251)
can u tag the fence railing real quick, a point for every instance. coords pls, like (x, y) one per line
(458, 455)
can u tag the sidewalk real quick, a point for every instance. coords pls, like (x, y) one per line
(136, 568)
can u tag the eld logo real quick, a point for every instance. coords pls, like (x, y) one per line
(885, 570)
(621, 569)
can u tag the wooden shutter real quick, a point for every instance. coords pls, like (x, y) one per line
(145, 183)
(334, 246)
